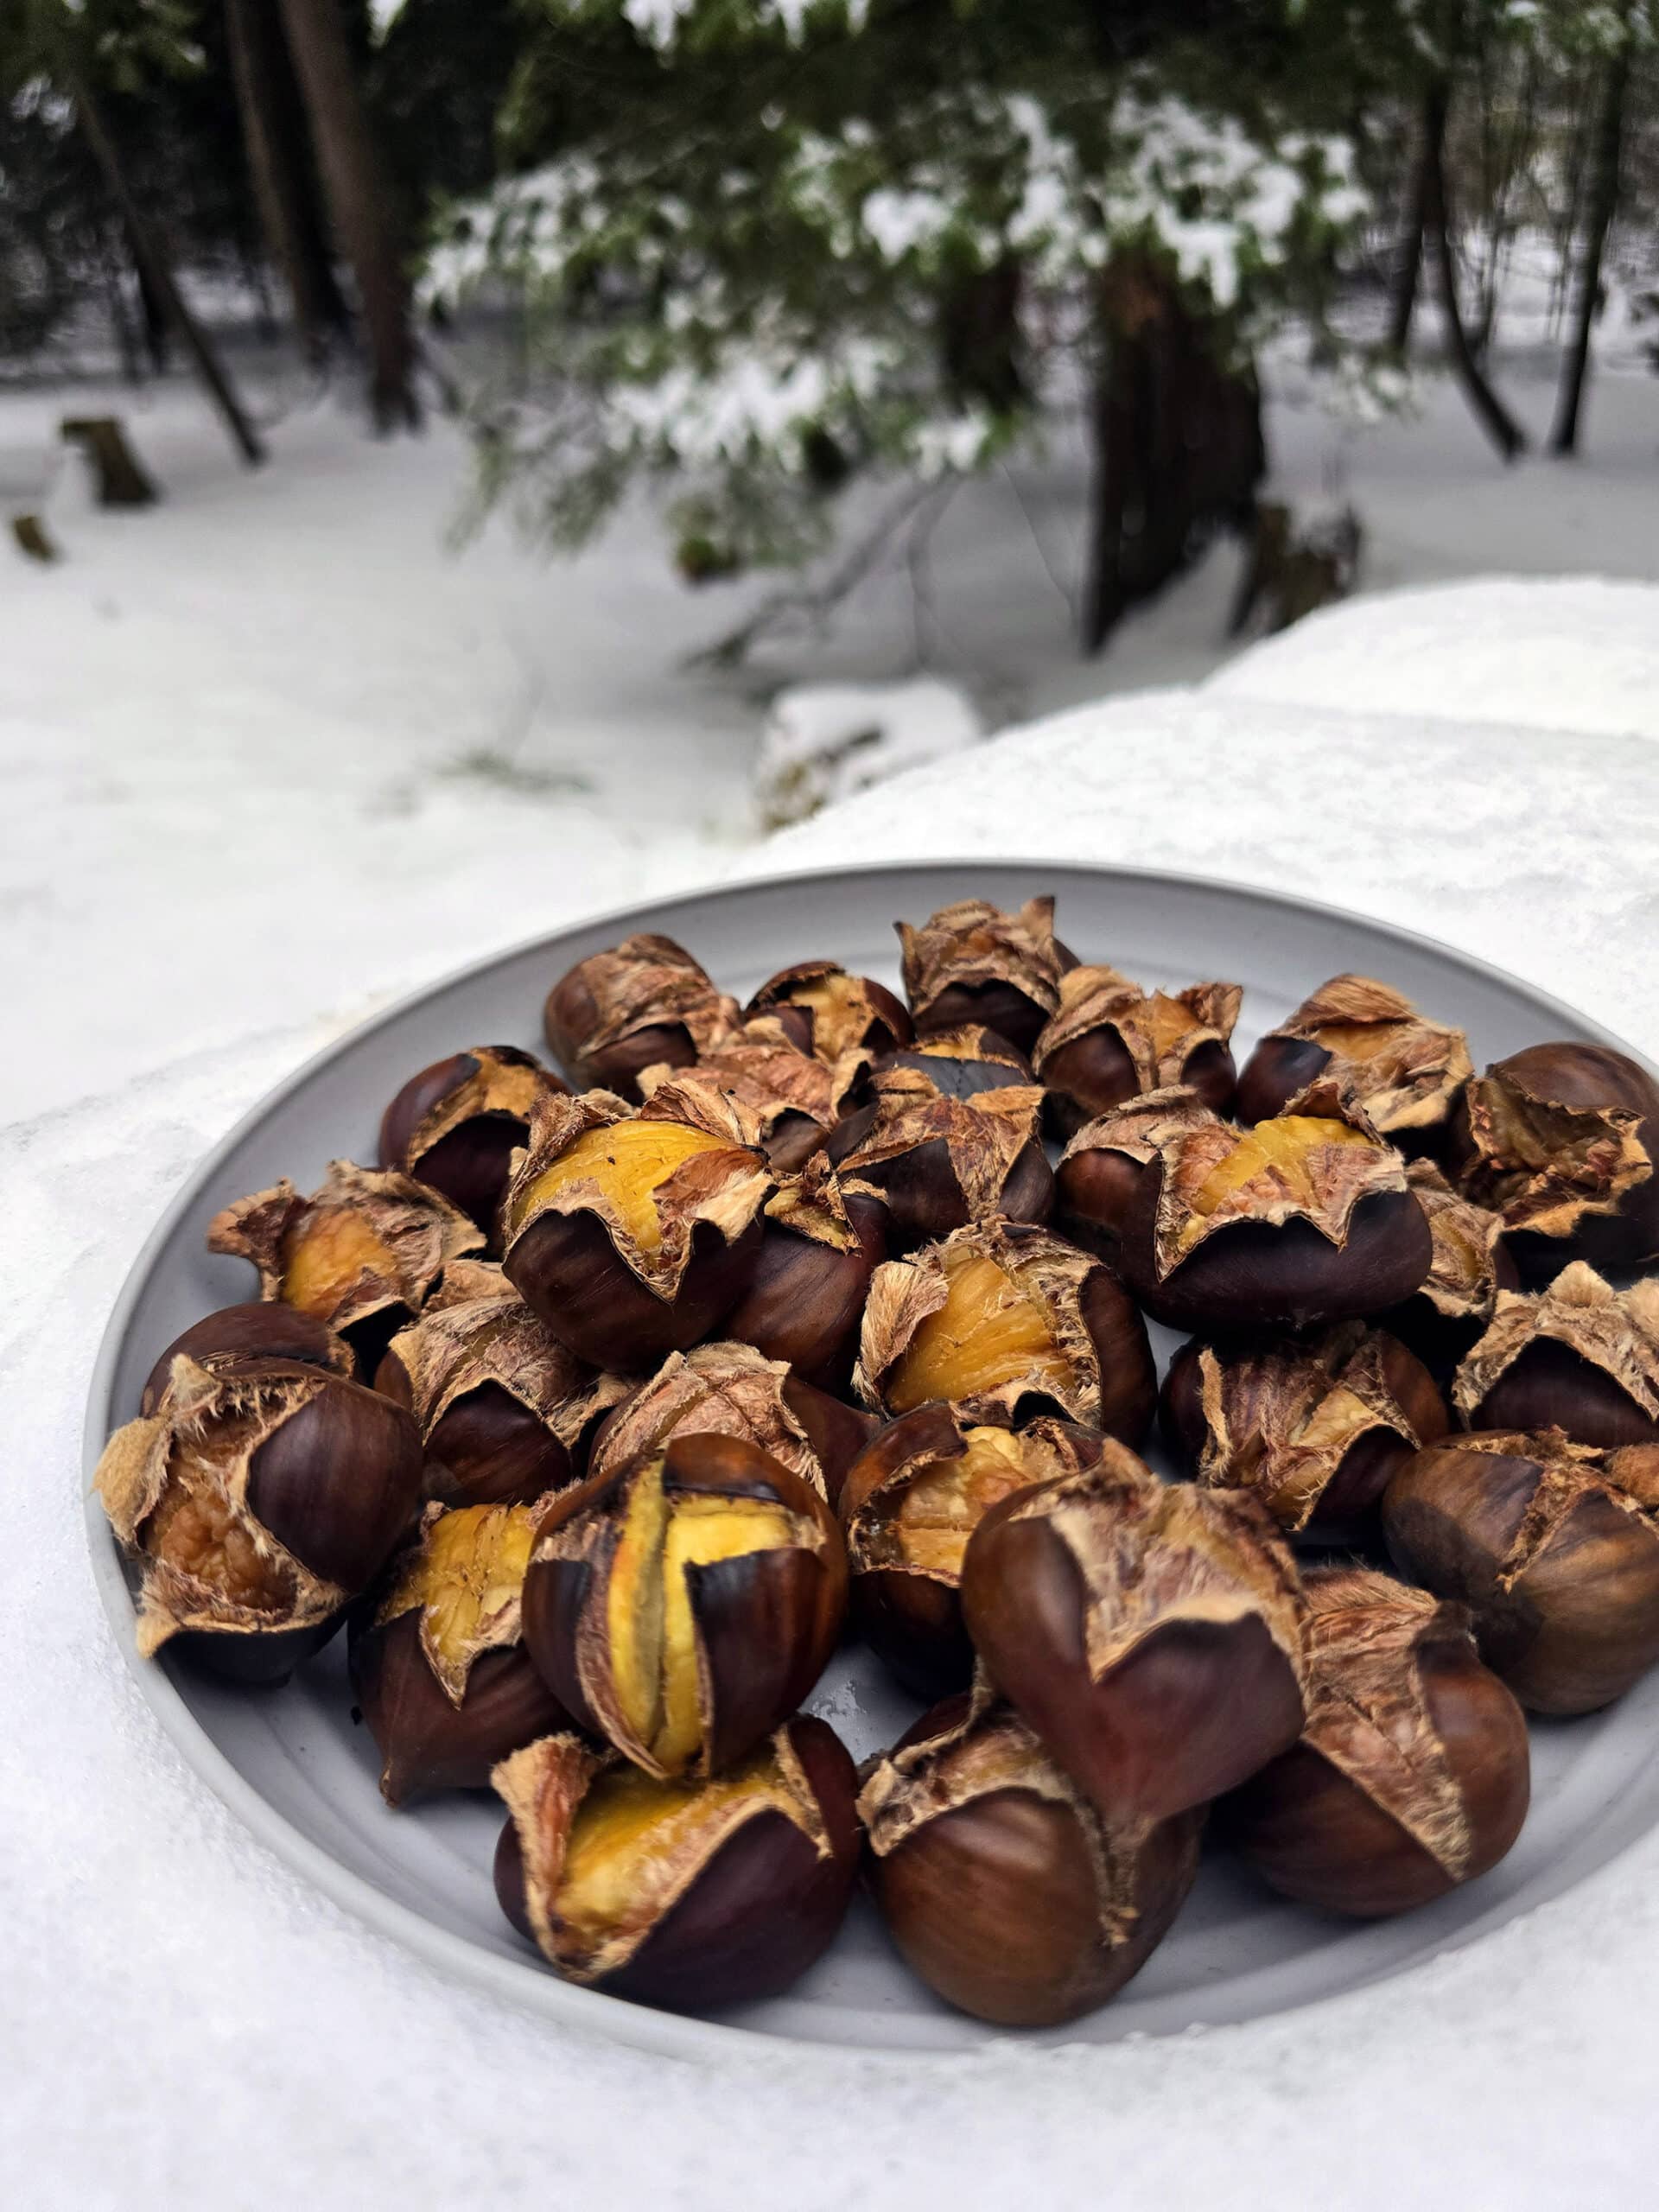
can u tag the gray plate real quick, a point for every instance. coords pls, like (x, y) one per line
(303, 1778)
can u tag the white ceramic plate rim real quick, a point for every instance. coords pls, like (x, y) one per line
(527, 1984)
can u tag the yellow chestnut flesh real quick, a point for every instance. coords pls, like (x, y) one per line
(628, 1161)
(1284, 1146)
(323, 1255)
(196, 1529)
(840, 1012)
(652, 1633)
(988, 1331)
(471, 1567)
(944, 1504)
(632, 1836)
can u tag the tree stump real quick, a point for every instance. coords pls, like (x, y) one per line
(30, 534)
(122, 482)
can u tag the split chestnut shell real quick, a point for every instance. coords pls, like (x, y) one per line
(1413, 1775)
(1110, 1041)
(843, 1013)
(820, 1242)
(639, 1003)
(1579, 1356)
(691, 1896)
(938, 1162)
(1407, 1071)
(238, 1337)
(1005, 1889)
(972, 963)
(684, 1604)
(456, 1125)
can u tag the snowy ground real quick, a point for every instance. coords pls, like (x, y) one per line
(235, 728)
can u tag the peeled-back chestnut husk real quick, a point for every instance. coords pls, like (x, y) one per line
(691, 1896)
(972, 962)
(247, 1336)
(1413, 1775)
(1407, 1071)
(939, 1162)
(1314, 1427)
(1561, 1140)
(1470, 1265)
(1579, 1356)
(683, 1605)
(1110, 1041)
(256, 1504)
(729, 1389)
(956, 1062)
(439, 1669)
(641, 1003)
(360, 1253)
(820, 1242)
(843, 1013)
(1149, 1633)
(911, 1501)
(1307, 1218)
(1008, 1893)
(1007, 1321)
(457, 1124)
(1104, 1163)
(631, 1235)
(795, 1099)
(505, 1409)
(1553, 1547)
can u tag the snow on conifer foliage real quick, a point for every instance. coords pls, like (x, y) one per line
(818, 255)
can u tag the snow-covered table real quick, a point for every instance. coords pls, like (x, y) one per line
(181, 2021)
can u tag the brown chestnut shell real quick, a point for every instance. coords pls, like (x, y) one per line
(238, 1337)
(939, 1162)
(1367, 1038)
(638, 1004)
(1579, 1356)
(970, 961)
(1109, 1042)
(456, 1125)
(841, 1013)
(821, 1242)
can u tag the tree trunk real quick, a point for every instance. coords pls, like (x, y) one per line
(1403, 299)
(1494, 418)
(153, 266)
(273, 132)
(122, 481)
(358, 198)
(1179, 449)
(1607, 156)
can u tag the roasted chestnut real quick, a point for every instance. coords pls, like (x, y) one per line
(1561, 1140)
(1579, 1356)
(685, 1895)
(1413, 1775)
(1006, 1321)
(794, 1098)
(1004, 1889)
(633, 1234)
(1407, 1071)
(939, 1162)
(1110, 1041)
(682, 1606)
(820, 1242)
(642, 1002)
(247, 1336)
(256, 1504)
(1314, 1427)
(1470, 1265)
(1307, 1218)
(1104, 1165)
(457, 1124)
(972, 962)
(1149, 1633)
(438, 1669)
(728, 1389)
(503, 1409)
(843, 1013)
(1552, 1546)
(360, 1253)
(911, 1500)
(960, 1062)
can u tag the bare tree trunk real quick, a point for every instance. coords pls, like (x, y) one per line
(1179, 448)
(273, 132)
(361, 202)
(1403, 299)
(153, 266)
(1607, 156)
(1494, 418)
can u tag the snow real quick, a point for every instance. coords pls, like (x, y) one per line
(824, 741)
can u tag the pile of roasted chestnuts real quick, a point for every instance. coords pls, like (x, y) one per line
(605, 1406)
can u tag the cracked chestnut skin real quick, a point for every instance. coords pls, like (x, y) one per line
(1586, 1078)
(471, 1164)
(1347, 1503)
(428, 1743)
(239, 1336)
(1252, 1275)
(764, 1907)
(1551, 1545)
(995, 1901)
(1320, 1830)
(1551, 1386)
